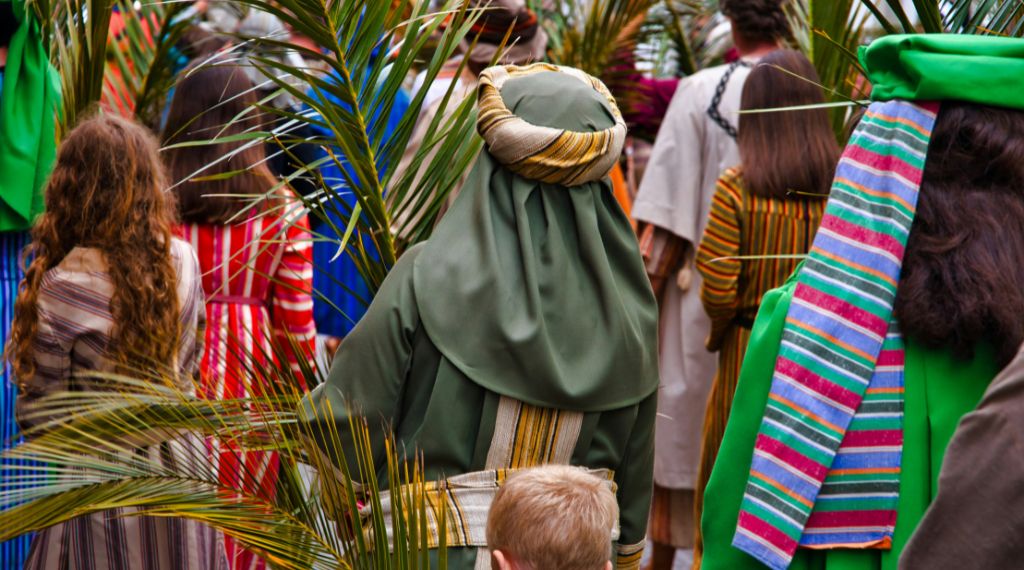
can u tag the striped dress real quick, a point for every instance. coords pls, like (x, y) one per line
(12, 552)
(73, 337)
(257, 276)
(742, 224)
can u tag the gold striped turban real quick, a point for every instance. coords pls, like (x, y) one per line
(544, 153)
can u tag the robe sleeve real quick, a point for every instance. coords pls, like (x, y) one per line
(976, 517)
(724, 492)
(663, 252)
(52, 345)
(634, 479)
(718, 265)
(368, 373)
(670, 193)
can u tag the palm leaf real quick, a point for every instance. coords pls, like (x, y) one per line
(86, 463)
(998, 17)
(350, 108)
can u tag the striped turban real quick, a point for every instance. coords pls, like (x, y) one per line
(544, 153)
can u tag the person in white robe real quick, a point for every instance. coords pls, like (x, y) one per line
(696, 142)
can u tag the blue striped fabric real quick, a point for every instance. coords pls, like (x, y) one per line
(825, 470)
(12, 552)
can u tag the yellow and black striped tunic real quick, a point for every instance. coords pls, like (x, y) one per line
(743, 224)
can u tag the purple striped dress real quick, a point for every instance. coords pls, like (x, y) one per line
(74, 334)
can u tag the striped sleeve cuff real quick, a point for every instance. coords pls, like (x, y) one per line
(627, 556)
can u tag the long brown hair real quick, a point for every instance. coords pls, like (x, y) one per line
(207, 105)
(963, 280)
(786, 151)
(106, 192)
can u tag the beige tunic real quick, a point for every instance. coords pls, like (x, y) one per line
(74, 335)
(690, 152)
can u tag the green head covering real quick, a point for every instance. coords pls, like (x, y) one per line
(988, 70)
(28, 103)
(536, 290)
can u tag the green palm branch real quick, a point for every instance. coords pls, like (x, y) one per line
(1000, 17)
(368, 50)
(132, 70)
(590, 34)
(323, 514)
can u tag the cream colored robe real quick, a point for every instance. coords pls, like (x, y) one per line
(689, 153)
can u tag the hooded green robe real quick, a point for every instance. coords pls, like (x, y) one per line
(528, 294)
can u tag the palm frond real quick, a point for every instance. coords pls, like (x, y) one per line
(996, 17)
(590, 34)
(356, 111)
(87, 461)
(829, 32)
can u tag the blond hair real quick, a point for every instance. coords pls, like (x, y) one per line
(554, 516)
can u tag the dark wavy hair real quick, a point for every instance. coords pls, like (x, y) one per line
(784, 78)
(211, 102)
(758, 20)
(963, 271)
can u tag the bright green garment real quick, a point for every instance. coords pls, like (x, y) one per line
(939, 391)
(28, 103)
(988, 70)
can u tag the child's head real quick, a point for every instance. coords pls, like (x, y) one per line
(552, 517)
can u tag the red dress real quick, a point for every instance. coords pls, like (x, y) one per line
(257, 276)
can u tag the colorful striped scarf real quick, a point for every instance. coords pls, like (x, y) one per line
(825, 471)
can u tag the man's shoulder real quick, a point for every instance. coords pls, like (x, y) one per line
(702, 84)
(707, 76)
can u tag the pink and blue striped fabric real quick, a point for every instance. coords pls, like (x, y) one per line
(825, 470)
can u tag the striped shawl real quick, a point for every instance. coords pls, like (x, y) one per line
(825, 470)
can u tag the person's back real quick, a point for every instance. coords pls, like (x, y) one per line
(554, 516)
(252, 241)
(254, 248)
(866, 360)
(111, 291)
(764, 215)
(541, 349)
(695, 143)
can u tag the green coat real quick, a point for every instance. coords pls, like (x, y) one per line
(391, 371)
(939, 391)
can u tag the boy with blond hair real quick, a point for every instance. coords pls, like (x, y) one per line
(554, 516)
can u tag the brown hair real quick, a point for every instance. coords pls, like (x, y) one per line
(786, 151)
(106, 192)
(963, 280)
(758, 20)
(207, 105)
(554, 516)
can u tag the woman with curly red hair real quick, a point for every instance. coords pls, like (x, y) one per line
(109, 289)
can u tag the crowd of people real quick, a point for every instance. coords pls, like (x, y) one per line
(758, 349)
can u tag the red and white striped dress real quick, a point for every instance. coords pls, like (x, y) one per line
(257, 276)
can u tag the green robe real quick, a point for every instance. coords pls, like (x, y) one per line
(389, 368)
(939, 391)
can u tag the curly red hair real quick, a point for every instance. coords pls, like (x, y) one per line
(106, 192)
